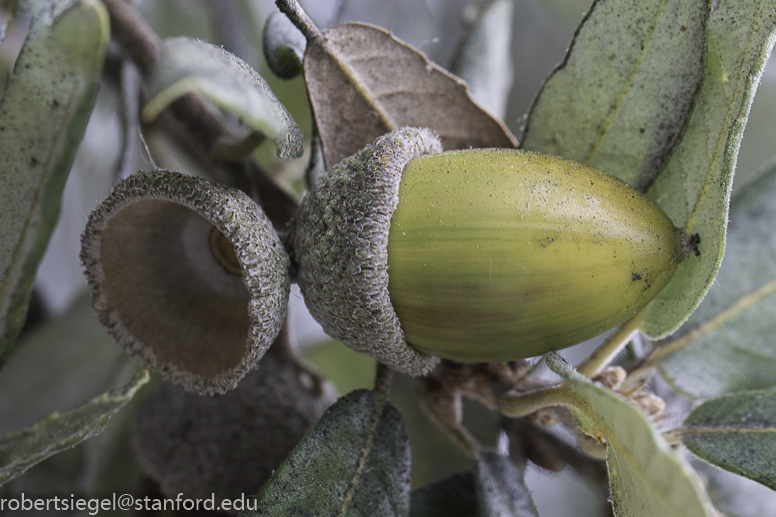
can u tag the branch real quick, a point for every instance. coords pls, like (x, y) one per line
(605, 353)
(299, 18)
(517, 405)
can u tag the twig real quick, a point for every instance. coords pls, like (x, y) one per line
(590, 468)
(383, 380)
(441, 403)
(541, 446)
(299, 18)
(523, 404)
(134, 35)
(130, 99)
(604, 354)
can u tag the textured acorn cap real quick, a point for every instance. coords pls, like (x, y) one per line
(340, 238)
(228, 445)
(187, 275)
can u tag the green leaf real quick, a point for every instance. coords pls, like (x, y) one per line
(646, 476)
(452, 497)
(694, 187)
(354, 462)
(43, 115)
(622, 96)
(192, 66)
(23, 449)
(729, 342)
(738, 433)
(501, 490)
(484, 59)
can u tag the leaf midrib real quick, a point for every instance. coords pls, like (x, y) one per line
(358, 84)
(624, 91)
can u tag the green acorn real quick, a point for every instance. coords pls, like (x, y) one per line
(477, 255)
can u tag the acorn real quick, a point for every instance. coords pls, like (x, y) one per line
(409, 253)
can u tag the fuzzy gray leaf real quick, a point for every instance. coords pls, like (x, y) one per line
(694, 187)
(738, 433)
(451, 497)
(501, 490)
(728, 344)
(186, 65)
(354, 463)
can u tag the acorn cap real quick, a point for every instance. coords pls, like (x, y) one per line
(339, 241)
(187, 275)
(228, 445)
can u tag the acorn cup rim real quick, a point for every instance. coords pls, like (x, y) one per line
(223, 208)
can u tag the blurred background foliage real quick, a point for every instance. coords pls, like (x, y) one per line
(64, 357)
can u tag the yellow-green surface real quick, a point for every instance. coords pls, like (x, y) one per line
(501, 254)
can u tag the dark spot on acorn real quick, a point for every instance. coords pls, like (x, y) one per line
(695, 241)
(636, 276)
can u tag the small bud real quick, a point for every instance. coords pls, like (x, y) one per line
(479, 255)
(649, 402)
(187, 275)
(612, 377)
(545, 417)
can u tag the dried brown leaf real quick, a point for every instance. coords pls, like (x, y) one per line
(363, 82)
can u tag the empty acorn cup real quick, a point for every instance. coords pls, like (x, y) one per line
(187, 275)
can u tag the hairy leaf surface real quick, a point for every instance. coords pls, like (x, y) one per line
(646, 476)
(43, 115)
(186, 65)
(354, 462)
(622, 97)
(729, 343)
(694, 187)
(738, 433)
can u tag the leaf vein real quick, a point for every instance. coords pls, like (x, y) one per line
(609, 122)
(360, 87)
